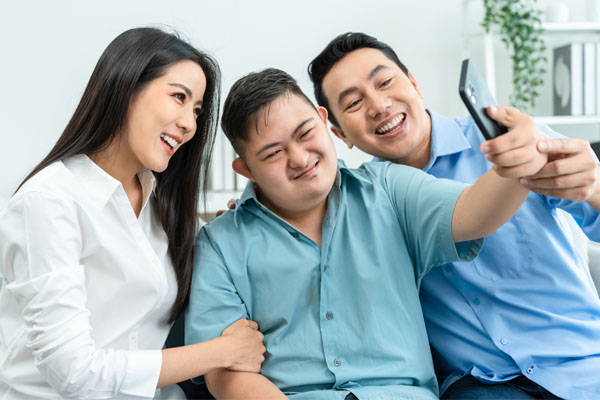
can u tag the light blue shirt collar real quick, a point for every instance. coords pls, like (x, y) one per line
(446, 138)
(249, 195)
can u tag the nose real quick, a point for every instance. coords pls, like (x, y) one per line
(297, 157)
(379, 106)
(187, 121)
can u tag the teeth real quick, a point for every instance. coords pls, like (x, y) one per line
(391, 124)
(169, 140)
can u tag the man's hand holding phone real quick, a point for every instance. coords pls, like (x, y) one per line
(515, 154)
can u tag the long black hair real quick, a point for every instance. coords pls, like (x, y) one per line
(129, 63)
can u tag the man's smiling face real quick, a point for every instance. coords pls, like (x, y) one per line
(290, 156)
(379, 108)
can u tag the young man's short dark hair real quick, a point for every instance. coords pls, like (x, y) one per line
(251, 94)
(335, 51)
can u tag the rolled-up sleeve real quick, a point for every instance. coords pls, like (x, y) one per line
(42, 252)
(425, 205)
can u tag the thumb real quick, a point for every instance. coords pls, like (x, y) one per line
(506, 116)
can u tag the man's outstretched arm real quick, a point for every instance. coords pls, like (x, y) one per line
(491, 201)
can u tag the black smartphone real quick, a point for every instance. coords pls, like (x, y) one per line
(477, 97)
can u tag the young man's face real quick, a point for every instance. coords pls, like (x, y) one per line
(379, 109)
(290, 156)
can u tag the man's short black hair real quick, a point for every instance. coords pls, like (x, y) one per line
(251, 94)
(334, 52)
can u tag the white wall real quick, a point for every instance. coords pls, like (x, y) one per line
(49, 49)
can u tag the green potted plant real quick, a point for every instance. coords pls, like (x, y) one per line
(520, 28)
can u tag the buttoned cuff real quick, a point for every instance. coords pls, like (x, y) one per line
(143, 370)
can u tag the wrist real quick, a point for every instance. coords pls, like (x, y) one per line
(223, 347)
(594, 198)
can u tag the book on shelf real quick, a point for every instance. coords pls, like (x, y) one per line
(589, 78)
(598, 78)
(568, 79)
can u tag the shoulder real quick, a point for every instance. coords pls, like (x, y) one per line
(53, 184)
(225, 228)
(55, 180)
(379, 171)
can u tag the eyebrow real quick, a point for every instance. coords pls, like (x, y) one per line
(186, 90)
(353, 89)
(296, 131)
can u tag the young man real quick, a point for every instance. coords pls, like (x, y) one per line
(524, 316)
(328, 260)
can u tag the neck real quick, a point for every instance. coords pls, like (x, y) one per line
(309, 222)
(121, 166)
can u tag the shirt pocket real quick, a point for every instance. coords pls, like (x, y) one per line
(509, 252)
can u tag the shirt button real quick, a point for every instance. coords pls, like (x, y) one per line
(294, 234)
(476, 301)
(447, 268)
(503, 341)
(530, 370)
(154, 261)
(337, 362)
(324, 268)
(329, 315)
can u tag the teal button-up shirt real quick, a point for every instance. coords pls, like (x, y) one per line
(340, 318)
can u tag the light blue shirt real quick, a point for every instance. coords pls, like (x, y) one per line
(343, 317)
(526, 305)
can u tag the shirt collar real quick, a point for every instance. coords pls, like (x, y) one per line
(446, 138)
(99, 185)
(249, 193)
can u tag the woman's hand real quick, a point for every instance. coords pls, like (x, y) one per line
(245, 349)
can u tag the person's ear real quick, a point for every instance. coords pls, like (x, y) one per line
(322, 111)
(240, 167)
(340, 134)
(413, 81)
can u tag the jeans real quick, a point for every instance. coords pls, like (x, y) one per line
(519, 388)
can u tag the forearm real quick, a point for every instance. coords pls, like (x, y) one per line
(231, 385)
(486, 205)
(186, 362)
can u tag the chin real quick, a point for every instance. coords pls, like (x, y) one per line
(158, 166)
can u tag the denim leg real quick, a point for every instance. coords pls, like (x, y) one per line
(469, 388)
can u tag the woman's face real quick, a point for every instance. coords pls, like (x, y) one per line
(162, 117)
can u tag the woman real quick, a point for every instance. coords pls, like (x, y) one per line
(96, 246)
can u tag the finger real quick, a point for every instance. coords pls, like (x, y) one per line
(514, 172)
(231, 204)
(252, 324)
(564, 145)
(507, 116)
(577, 180)
(219, 212)
(574, 194)
(566, 166)
(511, 158)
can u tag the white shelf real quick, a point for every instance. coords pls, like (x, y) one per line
(568, 120)
(554, 27)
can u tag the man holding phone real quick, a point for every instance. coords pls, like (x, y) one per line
(522, 319)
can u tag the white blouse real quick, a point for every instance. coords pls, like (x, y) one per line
(86, 288)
